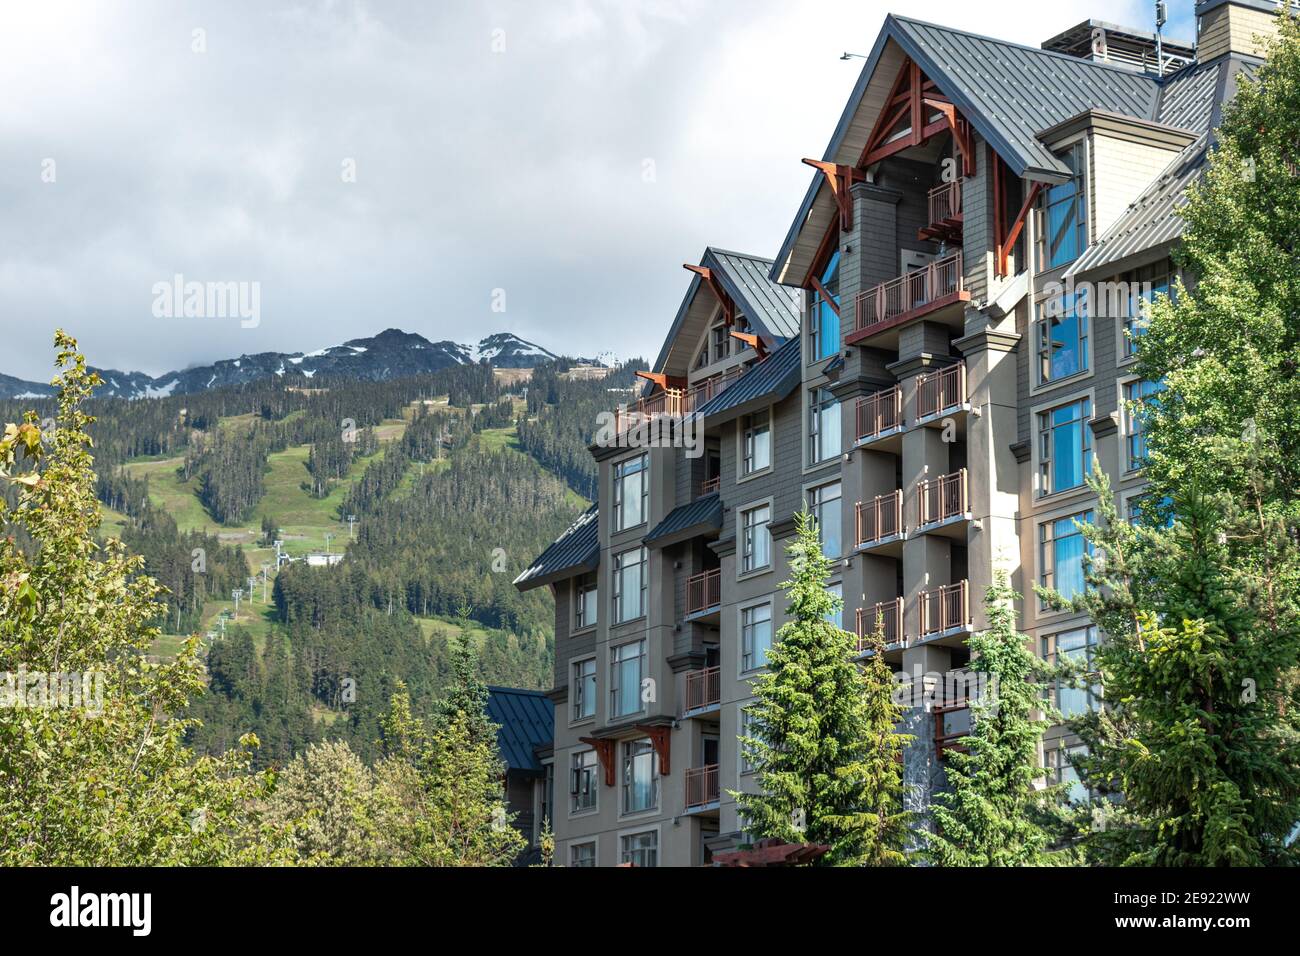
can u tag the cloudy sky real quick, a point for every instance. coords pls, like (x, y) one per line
(569, 153)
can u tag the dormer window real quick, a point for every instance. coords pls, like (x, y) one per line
(1063, 216)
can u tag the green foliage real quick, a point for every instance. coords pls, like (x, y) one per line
(823, 740)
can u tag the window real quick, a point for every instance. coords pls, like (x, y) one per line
(721, 343)
(1143, 286)
(757, 453)
(626, 665)
(582, 854)
(631, 490)
(583, 690)
(1064, 446)
(1063, 771)
(824, 320)
(1139, 504)
(1137, 395)
(640, 776)
(755, 636)
(640, 849)
(1061, 547)
(1064, 214)
(629, 585)
(584, 612)
(756, 540)
(746, 730)
(824, 504)
(823, 426)
(836, 617)
(1062, 334)
(584, 781)
(1079, 646)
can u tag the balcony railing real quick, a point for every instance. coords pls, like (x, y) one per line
(945, 202)
(710, 485)
(703, 688)
(703, 591)
(710, 388)
(939, 391)
(890, 613)
(880, 518)
(945, 608)
(882, 304)
(942, 498)
(879, 412)
(701, 786)
(669, 401)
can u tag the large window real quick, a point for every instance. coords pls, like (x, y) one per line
(640, 849)
(584, 604)
(824, 321)
(747, 724)
(757, 453)
(1061, 547)
(755, 636)
(583, 690)
(629, 585)
(823, 426)
(1062, 333)
(1064, 214)
(1144, 285)
(1078, 646)
(756, 540)
(1064, 446)
(1059, 762)
(640, 776)
(631, 492)
(1137, 396)
(582, 854)
(824, 504)
(836, 617)
(584, 781)
(626, 667)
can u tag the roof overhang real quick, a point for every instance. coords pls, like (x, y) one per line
(1118, 126)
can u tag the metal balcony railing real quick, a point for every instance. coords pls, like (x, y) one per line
(879, 412)
(939, 391)
(942, 498)
(703, 591)
(945, 202)
(945, 608)
(701, 786)
(710, 485)
(703, 688)
(890, 614)
(880, 518)
(882, 304)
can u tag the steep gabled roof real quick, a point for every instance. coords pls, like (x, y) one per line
(767, 381)
(525, 719)
(577, 551)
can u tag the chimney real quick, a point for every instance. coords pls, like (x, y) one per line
(1242, 27)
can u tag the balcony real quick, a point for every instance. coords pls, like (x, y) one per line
(945, 219)
(945, 611)
(934, 293)
(703, 592)
(880, 415)
(670, 402)
(943, 503)
(703, 691)
(702, 791)
(710, 485)
(880, 522)
(890, 613)
(941, 393)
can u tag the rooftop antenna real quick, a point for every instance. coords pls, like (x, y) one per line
(1162, 17)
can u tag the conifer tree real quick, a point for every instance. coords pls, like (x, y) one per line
(822, 736)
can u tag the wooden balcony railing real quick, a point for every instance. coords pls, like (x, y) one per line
(669, 401)
(882, 304)
(703, 688)
(940, 390)
(710, 388)
(891, 615)
(701, 786)
(703, 591)
(945, 608)
(942, 498)
(710, 485)
(880, 518)
(945, 202)
(879, 412)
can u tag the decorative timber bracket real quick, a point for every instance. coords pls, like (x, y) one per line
(709, 279)
(840, 178)
(1005, 236)
(659, 739)
(753, 341)
(604, 748)
(662, 380)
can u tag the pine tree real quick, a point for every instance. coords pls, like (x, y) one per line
(822, 737)
(992, 814)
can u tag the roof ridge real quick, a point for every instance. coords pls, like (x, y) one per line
(719, 251)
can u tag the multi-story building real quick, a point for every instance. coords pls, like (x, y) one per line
(939, 351)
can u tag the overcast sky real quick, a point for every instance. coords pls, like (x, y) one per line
(572, 153)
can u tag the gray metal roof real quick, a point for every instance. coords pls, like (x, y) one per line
(771, 379)
(1187, 97)
(686, 521)
(574, 552)
(525, 719)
